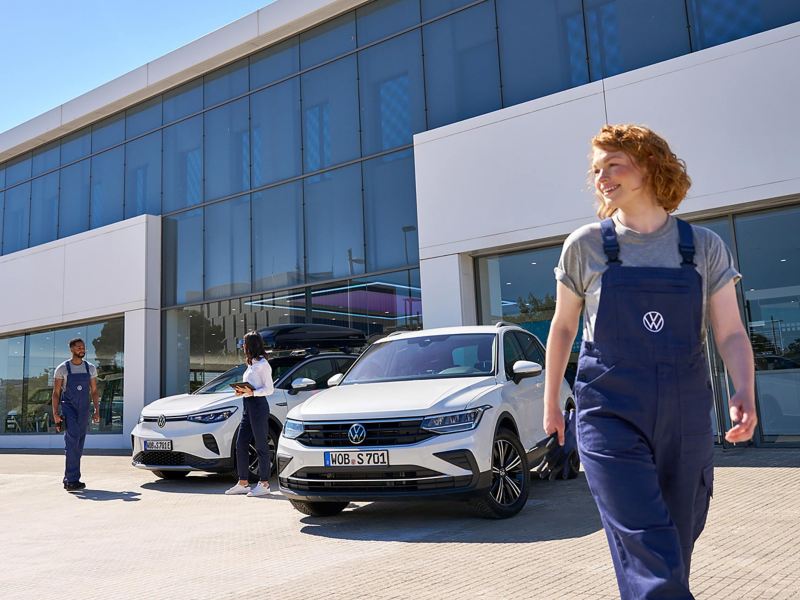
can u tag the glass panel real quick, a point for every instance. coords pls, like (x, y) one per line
(330, 115)
(530, 349)
(18, 170)
(769, 255)
(330, 39)
(105, 349)
(2, 177)
(511, 353)
(719, 21)
(16, 218)
(334, 224)
(227, 249)
(37, 412)
(226, 83)
(76, 146)
(46, 159)
(278, 250)
(182, 350)
(392, 93)
(275, 122)
(275, 63)
(44, 209)
(462, 73)
(391, 211)
(434, 8)
(542, 48)
(319, 370)
(143, 176)
(73, 209)
(2, 211)
(107, 192)
(380, 19)
(183, 101)
(12, 353)
(183, 164)
(227, 149)
(628, 34)
(143, 117)
(520, 288)
(108, 133)
(376, 305)
(182, 255)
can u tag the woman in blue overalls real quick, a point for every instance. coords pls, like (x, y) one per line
(647, 285)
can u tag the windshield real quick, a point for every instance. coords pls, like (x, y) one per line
(431, 357)
(221, 384)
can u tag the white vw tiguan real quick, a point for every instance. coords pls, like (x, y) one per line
(453, 411)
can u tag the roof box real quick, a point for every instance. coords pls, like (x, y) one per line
(309, 335)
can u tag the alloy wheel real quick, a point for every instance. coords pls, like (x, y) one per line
(507, 473)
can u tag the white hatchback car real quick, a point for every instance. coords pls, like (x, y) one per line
(197, 431)
(452, 411)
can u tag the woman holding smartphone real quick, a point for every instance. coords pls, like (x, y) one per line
(648, 285)
(255, 418)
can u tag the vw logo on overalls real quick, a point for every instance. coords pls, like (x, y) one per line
(357, 433)
(162, 420)
(653, 321)
(80, 387)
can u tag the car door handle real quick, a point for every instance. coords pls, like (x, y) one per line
(281, 404)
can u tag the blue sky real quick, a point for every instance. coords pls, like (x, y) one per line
(55, 50)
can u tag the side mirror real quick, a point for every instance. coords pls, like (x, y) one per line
(300, 384)
(525, 368)
(335, 379)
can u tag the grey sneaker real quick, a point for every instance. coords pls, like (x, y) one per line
(238, 490)
(259, 490)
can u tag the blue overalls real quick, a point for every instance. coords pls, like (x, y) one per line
(75, 404)
(644, 419)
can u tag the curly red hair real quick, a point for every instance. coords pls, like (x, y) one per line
(665, 173)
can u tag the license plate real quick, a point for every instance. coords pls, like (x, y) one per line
(362, 458)
(158, 444)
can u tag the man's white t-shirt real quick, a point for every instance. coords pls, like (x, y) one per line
(84, 367)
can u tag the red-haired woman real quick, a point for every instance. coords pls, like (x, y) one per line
(255, 418)
(647, 284)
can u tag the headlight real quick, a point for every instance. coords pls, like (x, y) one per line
(212, 417)
(454, 422)
(292, 429)
(141, 418)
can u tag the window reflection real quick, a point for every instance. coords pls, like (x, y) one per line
(73, 209)
(183, 164)
(16, 218)
(107, 192)
(227, 149)
(715, 22)
(44, 209)
(275, 125)
(182, 257)
(143, 176)
(227, 248)
(278, 237)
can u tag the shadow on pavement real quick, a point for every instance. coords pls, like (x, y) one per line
(556, 510)
(104, 495)
(208, 484)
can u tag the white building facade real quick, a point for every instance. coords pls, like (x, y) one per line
(383, 165)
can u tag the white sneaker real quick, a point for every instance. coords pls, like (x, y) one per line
(238, 489)
(259, 490)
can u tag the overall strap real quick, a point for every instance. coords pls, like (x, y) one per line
(686, 242)
(69, 371)
(610, 242)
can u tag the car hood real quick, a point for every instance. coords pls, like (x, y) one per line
(391, 399)
(185, 404)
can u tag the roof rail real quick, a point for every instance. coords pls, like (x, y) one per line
(504, 324)
(396, 332)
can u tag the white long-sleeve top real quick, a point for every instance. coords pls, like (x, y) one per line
(259, 375)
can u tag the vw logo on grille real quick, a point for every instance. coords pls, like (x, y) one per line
(162, 420)
(653, 321)
(357, 433)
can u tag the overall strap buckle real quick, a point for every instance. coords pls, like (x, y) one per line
(610, 242)
(686, 242)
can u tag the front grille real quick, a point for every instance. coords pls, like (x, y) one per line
(167, 419)
(160, 458)
(406, 478)
(379, 433)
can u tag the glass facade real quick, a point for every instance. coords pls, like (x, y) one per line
(520, 287)
(201, 341)
(349, 89)
(27, 366)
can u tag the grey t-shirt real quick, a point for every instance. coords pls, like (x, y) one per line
(61, 370)
(583, 262)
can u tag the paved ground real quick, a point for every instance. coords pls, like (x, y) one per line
(130, 536)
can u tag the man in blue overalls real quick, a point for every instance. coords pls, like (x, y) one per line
(75, 381)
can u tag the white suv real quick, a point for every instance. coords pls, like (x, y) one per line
(453, 411)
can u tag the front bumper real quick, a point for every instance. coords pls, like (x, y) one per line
(195, 446)
(456, 464)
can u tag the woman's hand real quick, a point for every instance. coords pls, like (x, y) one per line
(743, 417)
(554, 421)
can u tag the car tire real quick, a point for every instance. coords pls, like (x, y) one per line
(319, 509)
(172, 475)
(510, 486)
